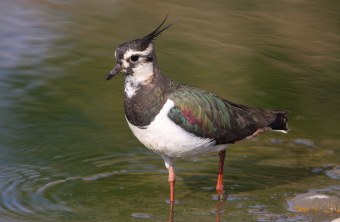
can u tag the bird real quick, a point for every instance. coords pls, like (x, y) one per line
(176, 120)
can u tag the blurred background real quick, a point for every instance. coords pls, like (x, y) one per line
(66, 152)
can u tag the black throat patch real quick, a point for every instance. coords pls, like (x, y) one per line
(142, 108)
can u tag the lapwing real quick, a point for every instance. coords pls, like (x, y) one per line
(176, 120)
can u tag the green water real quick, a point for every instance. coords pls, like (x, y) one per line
(66, 153)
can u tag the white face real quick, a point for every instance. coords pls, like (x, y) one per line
(133, 59)
(138, 66)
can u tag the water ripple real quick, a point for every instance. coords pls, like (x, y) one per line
(98, 176)
(20, 194)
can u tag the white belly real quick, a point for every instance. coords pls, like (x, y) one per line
(166, 138)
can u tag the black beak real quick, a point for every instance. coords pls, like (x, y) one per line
(114, 72)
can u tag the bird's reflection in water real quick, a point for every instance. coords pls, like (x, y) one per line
(219, 210)
(171, 212)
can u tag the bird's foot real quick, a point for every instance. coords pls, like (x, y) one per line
(222, 197)
(168, 201)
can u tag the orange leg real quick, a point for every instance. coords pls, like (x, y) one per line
(219, 185)
(172, 179)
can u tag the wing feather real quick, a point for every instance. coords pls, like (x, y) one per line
(209, 116)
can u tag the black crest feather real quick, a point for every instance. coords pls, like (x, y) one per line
(152, 36)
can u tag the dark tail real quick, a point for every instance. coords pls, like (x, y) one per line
(281, 121)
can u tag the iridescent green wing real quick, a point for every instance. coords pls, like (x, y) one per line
(201, 113)
(209, 116)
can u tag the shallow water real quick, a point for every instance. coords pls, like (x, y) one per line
(66, 152)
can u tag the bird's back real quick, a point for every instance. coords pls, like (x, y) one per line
(209, 116)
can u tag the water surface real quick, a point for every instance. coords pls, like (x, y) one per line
(66, 152)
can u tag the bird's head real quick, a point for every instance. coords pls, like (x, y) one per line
(137, 56)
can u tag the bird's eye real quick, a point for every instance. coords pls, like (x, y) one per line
(134, 58)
